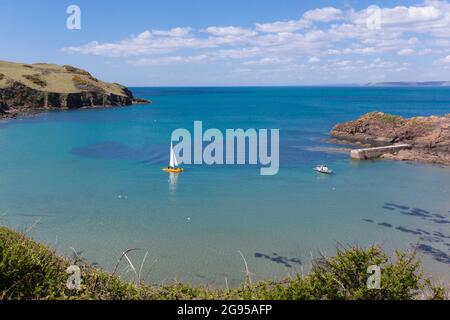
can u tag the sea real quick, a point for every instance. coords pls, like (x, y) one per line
(88, 183)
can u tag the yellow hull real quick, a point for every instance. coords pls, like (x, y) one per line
(174, 170)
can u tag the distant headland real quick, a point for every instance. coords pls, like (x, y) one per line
(41, 86)
(410, 84)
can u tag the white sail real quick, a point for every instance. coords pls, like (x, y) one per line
(173, 159)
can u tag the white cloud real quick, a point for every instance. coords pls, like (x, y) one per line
(145, 43)
(445, 60)
(237, 53)
(268, 61)
(406, 52)
(397, 16)
(230, 31)
(205, 57)
(315, 36)
(424, 52)
(324, 14)
(167, 60)
(433, 17)
(283, 26)
(175, 32)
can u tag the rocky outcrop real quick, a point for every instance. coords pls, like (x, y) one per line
(6, 112)
(43, 86)
(428, 136)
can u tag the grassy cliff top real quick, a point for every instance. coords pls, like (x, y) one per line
(54, 78)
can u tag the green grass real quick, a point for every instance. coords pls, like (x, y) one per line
(53, 78)
(29, 270)
(384, 117)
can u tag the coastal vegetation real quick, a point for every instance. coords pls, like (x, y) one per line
(29, 270)
(36, 79)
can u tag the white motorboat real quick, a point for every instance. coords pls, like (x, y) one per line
(323, 169)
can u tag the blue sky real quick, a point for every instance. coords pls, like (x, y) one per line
(171, 43)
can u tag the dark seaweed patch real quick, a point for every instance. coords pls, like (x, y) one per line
(420, 210)
(431, 239)
(441, 221)
(441, 235)
(385, 224)
(403, 229)
(414, 214)
(423, 231)
(150, 153)
(287, 262)
(393, 205)
(427, 238)
(436, 254)
(417, 212)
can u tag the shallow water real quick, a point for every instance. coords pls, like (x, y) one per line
(91, 180)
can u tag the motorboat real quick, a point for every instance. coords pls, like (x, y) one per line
(323, 169)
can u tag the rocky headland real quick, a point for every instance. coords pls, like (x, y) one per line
(429, 137)
(32, 87)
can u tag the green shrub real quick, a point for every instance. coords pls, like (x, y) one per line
(344, 277)
(83, 84)
(76, 70)
(29, 270)
(36, 79)
(383, 117)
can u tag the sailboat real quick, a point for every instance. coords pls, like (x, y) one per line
(173, 163)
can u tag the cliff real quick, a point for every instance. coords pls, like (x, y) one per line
(25, 87)
(429, 136)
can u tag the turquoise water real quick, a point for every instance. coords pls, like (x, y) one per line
(91, 180)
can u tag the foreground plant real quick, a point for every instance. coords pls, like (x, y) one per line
(29, 270)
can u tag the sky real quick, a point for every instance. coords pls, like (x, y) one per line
(228, 43)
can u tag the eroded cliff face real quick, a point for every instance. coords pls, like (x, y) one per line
(44, 86)
(21, 97)
(5, 111)
(429, 136)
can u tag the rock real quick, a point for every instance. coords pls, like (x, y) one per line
(429, 136)
(46, 86)
(6, 112)
(140, 101)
